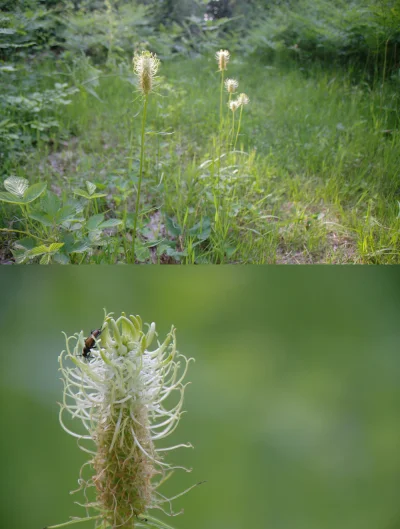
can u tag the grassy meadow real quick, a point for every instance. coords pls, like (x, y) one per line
(310, 177)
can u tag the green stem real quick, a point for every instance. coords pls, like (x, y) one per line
(233, 126)
(221, 99)
(25, 233)
(238, 130)
(220, 122)
(146, 100)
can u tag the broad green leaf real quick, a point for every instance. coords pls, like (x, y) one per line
(20, 256)
(16, 185)
(81, 247)
(11, 199)
(142, 253)
(45, 260)
(110, 223)
(94, 222)
(25, 244)
(90, 187)
(202, 229)
(65, 214)
(82, 193)
(43, 249)
(61, 258)
(51, 204)
(173, 227)
(42, 218)
(34, 192)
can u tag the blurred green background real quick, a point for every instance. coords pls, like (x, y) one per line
(293, 408)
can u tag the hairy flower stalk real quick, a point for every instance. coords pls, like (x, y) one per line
(242, 100)
(222, 57)
(145, 66)
(233, 105)
(119, 391)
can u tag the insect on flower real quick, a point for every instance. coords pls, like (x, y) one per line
(90, 342)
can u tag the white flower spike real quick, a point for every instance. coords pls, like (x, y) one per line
(118, 390)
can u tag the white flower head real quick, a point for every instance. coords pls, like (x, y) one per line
(234, 105)
(222, 57)
(117, 387)
(243, 99)
(145, 66)
(231, 85)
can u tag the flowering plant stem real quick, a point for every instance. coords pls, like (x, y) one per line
(221, 99)
(238, 130)
(146, 100)
(220, 122)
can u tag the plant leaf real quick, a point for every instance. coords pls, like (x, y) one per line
(61, 258)
(173, 227)
(99, 195)
(8, 197)
(82, 193)
(94, 222)
(90, 187)
(42, 218)
(34, 192)
(43, 249)
(80, 247)
(45, 260)
(64, 214)
(16, 185)
(110, 223)
(51, 204)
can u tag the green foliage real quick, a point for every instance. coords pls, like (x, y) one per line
(56, 231)
(364, 32)
(27, 28)
(113, 30)
(29, 117)
(28, 111)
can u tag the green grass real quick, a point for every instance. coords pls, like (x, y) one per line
(316, 179)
